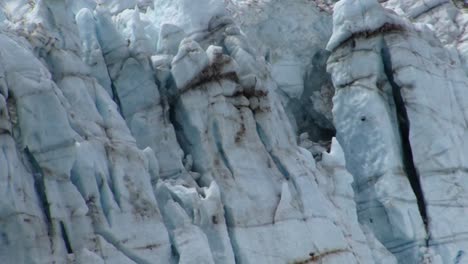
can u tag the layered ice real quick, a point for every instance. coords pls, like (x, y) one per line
(408, 81)
(179, 132)
(133, 147)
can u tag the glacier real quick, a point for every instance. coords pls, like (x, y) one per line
(233, 131)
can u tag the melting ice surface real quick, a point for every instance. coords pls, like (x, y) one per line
(239, 131)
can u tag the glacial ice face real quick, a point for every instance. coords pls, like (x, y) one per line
(292, 39)
(129, 137)
(397, 130)
(163, 131)
(443, 17)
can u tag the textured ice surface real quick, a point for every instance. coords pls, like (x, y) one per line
(125, 146)
(430, 82)
(292, 39)
(167, 132)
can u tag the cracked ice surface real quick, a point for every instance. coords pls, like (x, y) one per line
(432, 84)
(164, 131)
(292, 39)
(122, 146)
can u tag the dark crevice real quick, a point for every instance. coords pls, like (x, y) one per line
(163, 88)
(310, 121)
(276, 161)
(318, 87)
(39, 186)
(163, 196)
(13, 115)
(404, 128)
(174, 253)
(65, 238)
(184, 143)
(116, 98)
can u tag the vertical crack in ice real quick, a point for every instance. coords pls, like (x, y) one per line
(65, 238)
(281, 168)
(39, 186)
(105, 207)
(116, 98)
(230, 224)
(162, 199)
(173, 120)
(404, 128)
(279, 165)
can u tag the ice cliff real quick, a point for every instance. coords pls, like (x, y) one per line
(237, 131)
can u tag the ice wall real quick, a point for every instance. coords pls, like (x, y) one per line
(131, 135)
(186, 132)
(399, 112)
